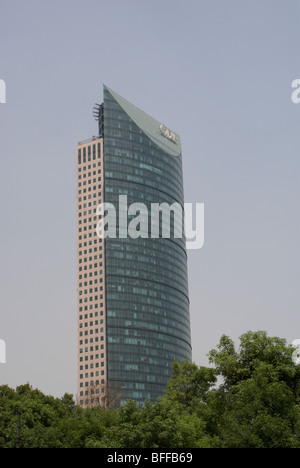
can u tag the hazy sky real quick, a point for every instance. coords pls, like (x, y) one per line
(217, 72)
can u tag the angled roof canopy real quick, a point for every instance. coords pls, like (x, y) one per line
(150, 126)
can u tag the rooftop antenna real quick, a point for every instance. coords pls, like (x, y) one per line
(98, 113)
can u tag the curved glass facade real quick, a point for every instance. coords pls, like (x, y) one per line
(147, 301)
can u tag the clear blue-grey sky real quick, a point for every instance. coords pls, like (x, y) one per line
(217, 72)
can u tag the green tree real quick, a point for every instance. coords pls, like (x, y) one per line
(254, 405)
(257, 404)
(161, 425)
(190, 384)
(40, 416)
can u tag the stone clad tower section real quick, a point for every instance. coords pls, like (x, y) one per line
(133, 301)
(92, 354)
(147, 300)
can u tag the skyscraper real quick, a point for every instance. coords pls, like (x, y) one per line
(133, 302)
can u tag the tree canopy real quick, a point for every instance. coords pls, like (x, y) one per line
(248, 398)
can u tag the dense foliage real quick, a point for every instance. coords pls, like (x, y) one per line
(249, 398)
